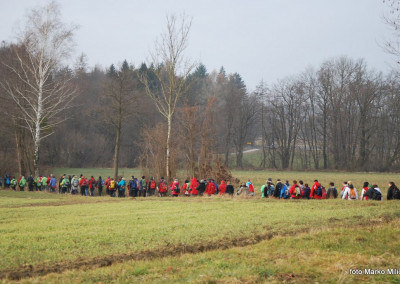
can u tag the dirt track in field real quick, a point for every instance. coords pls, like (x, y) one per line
(86, 263)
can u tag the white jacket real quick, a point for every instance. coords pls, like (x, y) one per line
(346, 193)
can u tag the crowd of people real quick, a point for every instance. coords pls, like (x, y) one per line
(143, 187)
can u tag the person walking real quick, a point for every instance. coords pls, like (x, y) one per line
(92, 185)
(316, 190)
(393, 192)
(332, 191)
(64, 185)
(295, 191)
(222, 188)
(193, 187)
(175, 189)
(162, 187)
(22, 183)
(13, 183)
(74, 185)
(143, 187)
(30, 182)
(350, 192)
(121, 187)
(53, 183)
(100, 184)
(152, 186)
(83, 183)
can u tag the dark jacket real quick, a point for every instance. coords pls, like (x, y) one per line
(277, 191)
(370, 193)
(229, 189)
(391, 193)
(332, 193)
(201, 188)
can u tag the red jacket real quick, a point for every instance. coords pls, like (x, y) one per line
(193, 186)
(162, 186)
(83, 180)
(107, 183)
(222, 188)
(173, 188)
(365, 197)
(313, 193)
(92, 183)
(210, 189)
(292, 191)
(251, 187)
(152, 184)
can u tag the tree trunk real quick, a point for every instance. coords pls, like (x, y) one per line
(21, 150)
(36, 159)
(324, 138)
(168, 150)
(19, 154)
(36, 153)
(116, 150)
(263, 136)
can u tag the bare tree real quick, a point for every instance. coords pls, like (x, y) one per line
(261, 93)
(42, 92)
(171, 72)
(119, 94)
(392, 19)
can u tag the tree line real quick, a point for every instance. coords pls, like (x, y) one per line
(170, 114)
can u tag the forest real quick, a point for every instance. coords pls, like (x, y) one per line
(341, 115)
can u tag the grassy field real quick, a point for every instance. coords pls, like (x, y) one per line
(62, 238)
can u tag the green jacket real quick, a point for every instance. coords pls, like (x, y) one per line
(65, 182)
(39, 183)
(22, 182)
(44, 181)
(13, 182)
(262, 190)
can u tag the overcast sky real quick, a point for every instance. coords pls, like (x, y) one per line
(259, 39)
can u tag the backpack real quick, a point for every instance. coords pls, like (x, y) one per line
(319, 191)
(176, 189)
(75, 182)
(162, 187)
(352, 193)
(376, 195)
(84, 182)
(112, 184)
(66, 182)
(270, 190)
(286, 191)
(334, 192)
(297, 191)
(396, 193)
(152, 184)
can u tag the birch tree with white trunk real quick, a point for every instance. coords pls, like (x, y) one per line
(43, 89)
(171, 72)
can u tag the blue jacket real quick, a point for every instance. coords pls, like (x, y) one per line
(133, 183)
(53, 182)
(122, 184)
(284, 188)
